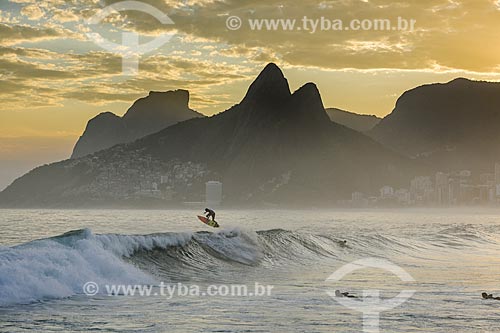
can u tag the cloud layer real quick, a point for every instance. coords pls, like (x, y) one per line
(45, 53)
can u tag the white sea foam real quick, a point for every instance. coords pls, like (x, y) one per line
(59, 267)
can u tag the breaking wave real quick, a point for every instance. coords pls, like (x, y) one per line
(58, 267)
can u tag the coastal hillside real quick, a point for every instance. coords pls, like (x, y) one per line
(274, 147)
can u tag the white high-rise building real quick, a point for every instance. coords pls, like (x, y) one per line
(497, 179)
(403, 196)
(421, 189)
(442, 188)
(386, 192)
(213, 193)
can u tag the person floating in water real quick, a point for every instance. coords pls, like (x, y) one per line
(210, 214)
(490, 296)
(346, 294)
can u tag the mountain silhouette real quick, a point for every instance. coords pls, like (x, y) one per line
(273, 147)
(452, 126)
(358, 122)
(146, 116)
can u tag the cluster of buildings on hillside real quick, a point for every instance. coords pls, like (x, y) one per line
(141, 177)
(442, 189)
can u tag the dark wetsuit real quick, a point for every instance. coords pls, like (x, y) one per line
(210, 214)
(490, 296)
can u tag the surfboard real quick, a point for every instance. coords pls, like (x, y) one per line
(208, 222)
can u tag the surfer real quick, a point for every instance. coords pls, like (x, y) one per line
(345, 294)
(209, 213)
(490, 296)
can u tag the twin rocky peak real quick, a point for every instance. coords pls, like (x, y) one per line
(273, 147)
(268, 98)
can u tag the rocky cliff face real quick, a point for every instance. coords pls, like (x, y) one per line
(274, 147)
(452, 126)
(146, 116)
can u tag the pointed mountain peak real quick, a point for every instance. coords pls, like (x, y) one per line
(272, 69)
(309, 90)
(270, 85)
(308, 101)
(272, 74)
(105, 115)
(269, 98)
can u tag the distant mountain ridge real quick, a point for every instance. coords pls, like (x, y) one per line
(273, 147)
(451, 126)
(357, 122)
(146, 116)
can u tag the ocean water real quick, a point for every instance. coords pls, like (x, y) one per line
(47, 256)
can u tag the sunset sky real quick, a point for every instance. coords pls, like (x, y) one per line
(53, 78)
